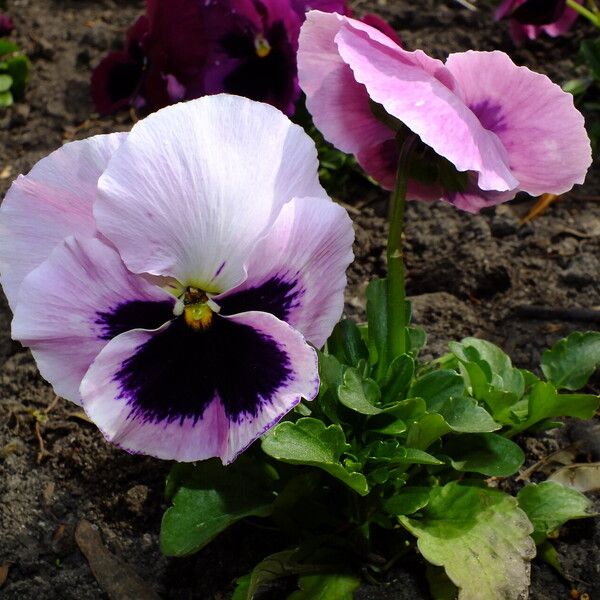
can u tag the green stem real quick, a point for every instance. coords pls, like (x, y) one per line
(396, 292)
(582, 10)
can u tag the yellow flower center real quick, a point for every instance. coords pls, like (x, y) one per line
(262, 46)
(196, 311)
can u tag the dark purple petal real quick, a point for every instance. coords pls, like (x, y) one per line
(303, 6)
(538, 12)
(276, 296)
(177, 373)
(116, 82)
(134, 314)
(6, 24)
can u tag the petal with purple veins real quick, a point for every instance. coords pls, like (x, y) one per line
(298, 271)
(190, 394)
(74, 302)
(197, 184)
(544, 134)
(49, 204)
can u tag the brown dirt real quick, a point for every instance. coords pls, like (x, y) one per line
(467, 276)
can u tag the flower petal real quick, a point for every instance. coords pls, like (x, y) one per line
(74, 302)
(544, 135)
(184, 394)
(50, 203)
(410, 92)
(338, 104)
(197, 184)
(298, 271)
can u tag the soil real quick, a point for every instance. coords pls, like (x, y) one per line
(468, 275)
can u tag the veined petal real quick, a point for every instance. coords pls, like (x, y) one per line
(185, 394)
(49, 204)
(74, 302)
(298, 271)
(197, 184)
(544, 135)
(338, 104)
(427, 106)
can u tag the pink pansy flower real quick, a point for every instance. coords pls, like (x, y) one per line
(171, 280)
(486, 128)
(530, 18)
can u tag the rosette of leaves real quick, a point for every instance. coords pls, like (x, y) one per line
(14, 73)
(397, 454)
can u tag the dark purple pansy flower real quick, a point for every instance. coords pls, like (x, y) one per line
(529, 18)
(253, 51)
(162, 61)
(6, 24)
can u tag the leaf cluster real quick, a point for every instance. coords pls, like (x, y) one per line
(395, 453)
(14, 72)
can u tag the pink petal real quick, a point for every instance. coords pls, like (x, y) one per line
(298, 271)
(74, 302)
(172, 411)
(338, 104)
(50, 203)
(197, 184)
(427, 107)
(544, 135)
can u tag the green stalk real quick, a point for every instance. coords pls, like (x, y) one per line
(396, 292)
(582, 10)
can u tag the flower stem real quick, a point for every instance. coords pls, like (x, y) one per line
(396, 292)
(582, 10)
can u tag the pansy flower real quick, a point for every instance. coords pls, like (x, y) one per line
(175, 279)
(253, 45)
(530, 18)
(162, 62)
(485, 128)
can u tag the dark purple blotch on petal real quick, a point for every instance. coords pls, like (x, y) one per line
(490, 115)
(276, 296)
(136, 314)
(178, 372)
(538, 12)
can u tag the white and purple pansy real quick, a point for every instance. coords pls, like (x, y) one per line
(174, 280)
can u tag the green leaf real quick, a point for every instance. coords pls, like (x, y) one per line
(437, 387)
(416, 339)
(377, 319)
(486, 453)
(398, 378)
(480, 537)
(346, 343)
(6, 99)
(358, 394)
(326, 587)
(589, 51)
(7, 47)
(464, 415)
(5, 83)
(309, 442)
(550, 505)
(572, 361)
(391, 451)
(426, 430)
(544, 403)
(242, 586)
(275, 566)
(493, 362)
(18, 68)
(210, 498)
(407, 500)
